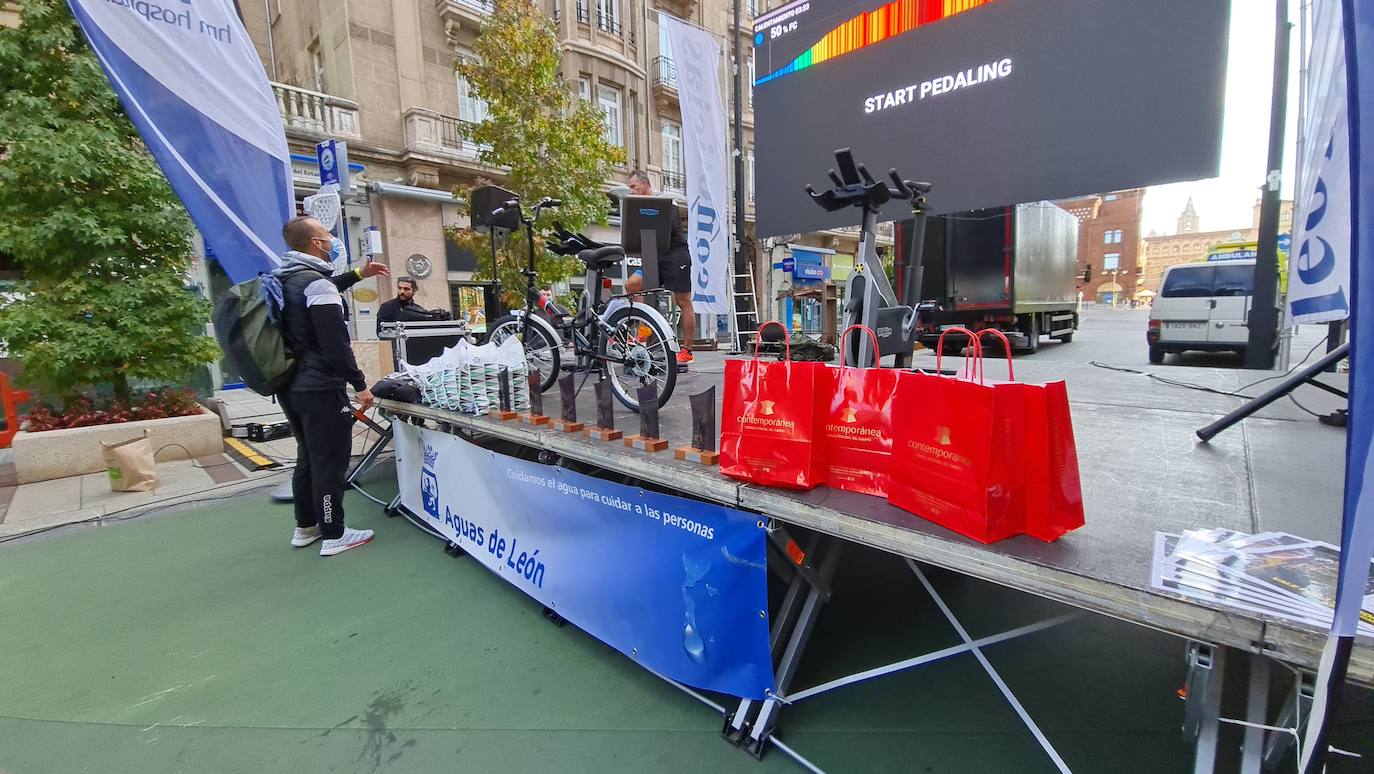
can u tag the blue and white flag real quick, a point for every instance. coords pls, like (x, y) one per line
(705, 152)
(1352, 35)
(1319, 272)
(193, 85)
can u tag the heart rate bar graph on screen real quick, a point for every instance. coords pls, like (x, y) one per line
(865, 29)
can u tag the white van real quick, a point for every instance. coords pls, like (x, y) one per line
(1202, 306)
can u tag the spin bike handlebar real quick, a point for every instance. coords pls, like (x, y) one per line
(855, 186)
(548, 202)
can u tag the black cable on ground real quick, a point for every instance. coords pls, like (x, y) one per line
(1239, 392)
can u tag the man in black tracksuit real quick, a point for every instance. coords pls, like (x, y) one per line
(403, 308)
(316, 402)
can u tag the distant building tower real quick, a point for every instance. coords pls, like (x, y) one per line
(1188, 220)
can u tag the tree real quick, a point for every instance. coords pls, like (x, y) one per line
(103, 241)
(552, 142)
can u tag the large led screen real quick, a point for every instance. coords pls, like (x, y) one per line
(993, 101)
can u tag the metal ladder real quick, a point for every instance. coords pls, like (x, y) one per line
(744, 321)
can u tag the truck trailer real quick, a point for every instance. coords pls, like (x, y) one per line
(1009, 268)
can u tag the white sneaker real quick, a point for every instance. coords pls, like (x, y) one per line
(352, 538)
(304, 537)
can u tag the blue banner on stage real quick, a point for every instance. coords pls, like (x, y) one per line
(678, 585)
(192, 83)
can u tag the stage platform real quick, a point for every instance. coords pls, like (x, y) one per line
(1142, 470)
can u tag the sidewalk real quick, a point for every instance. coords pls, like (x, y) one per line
(45, 505)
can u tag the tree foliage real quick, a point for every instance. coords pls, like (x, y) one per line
(513, 257)
(551, 141)
(104, 243)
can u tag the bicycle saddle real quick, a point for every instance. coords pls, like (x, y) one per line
(600, 257)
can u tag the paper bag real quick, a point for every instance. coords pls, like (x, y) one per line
(130, 465)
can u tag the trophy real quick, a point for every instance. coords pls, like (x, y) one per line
(536, 413)
(648, 439)
(568, 395)
(605, 415)
(703, 448)
(505, 411)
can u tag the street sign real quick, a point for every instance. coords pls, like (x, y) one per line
(332, 158)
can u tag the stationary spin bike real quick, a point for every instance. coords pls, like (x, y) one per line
(630, 342)
(869, 298)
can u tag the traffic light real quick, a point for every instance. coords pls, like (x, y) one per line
(1088, 273)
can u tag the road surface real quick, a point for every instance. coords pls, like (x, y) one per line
(1117, 337)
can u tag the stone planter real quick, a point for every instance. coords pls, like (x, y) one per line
(76, 451)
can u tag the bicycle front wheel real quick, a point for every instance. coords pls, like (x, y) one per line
(541, 355)
(637, 354)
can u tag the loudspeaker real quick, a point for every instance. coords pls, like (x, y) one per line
(489, 198)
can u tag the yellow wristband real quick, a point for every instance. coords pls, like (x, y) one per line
(358, 272)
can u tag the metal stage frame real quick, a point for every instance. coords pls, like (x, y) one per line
(830, 520)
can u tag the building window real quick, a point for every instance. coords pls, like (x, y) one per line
(470, 108)
(631, 120)
(672, 156)
(1107, 237)
(317, 68)
(608, 16)
(751, 81)
(1111, 261)
(584, 87)
(665, 44)
(467, 303)
(749, 172)
(1110, 197)
(608, 99)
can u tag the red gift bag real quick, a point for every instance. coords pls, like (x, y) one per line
(957, 450)
(1053, 493)
(768, 420)
(856, 428)
(1054, 502)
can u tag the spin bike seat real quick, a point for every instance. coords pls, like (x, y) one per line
(602, 257)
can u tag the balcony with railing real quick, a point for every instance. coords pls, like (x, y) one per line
(583, 15)
(674, 181)
(437, 134)
(665, 80)
(608, 23)
(313, 115)
(468, 14)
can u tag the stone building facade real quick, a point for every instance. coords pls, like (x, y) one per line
(1108, 244)
(1190, 245)
(379, 74)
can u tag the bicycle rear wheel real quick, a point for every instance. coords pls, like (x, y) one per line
(541, 355)
(637, 354)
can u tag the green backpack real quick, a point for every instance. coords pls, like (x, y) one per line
(248, 324)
